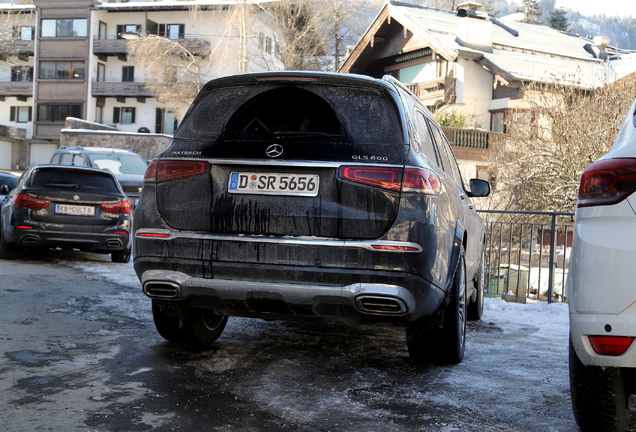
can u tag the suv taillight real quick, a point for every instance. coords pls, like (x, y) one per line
(163, 171)
(607, 182)
(123, 207)
(410, 180)
(23, 200)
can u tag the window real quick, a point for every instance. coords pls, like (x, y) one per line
(64, 27)
(98, 114)
(20, 114)
(52, 113)
(128, 73)
(124, 115)
(101, 72)
(497, 121)
(61, 70)
(101, 32)
(165, 122)
(172, 31)
(23, 32)
(127, 28)
(22, 73)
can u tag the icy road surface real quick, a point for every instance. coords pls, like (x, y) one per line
(307, 377)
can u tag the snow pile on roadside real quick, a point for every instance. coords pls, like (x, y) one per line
(552, 320)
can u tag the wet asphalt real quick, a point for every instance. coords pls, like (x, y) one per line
(80, 352)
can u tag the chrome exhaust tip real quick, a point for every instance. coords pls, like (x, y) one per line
(30, 239)
(162, 290)
(113, 243)
(381, 305)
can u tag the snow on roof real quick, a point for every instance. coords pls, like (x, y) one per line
(155, 4)
(538, 53)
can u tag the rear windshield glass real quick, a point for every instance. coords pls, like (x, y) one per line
(300, 112)
(74, 180)
(8, 180)
(119, 164)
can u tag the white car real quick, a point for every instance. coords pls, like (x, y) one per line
(600, 288)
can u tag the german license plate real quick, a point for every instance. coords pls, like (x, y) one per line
(274, 184)
(75, 210)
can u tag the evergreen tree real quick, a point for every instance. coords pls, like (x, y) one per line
(530, 11)
(558, 20)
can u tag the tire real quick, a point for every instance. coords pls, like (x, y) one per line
(7, 251)
(121, 256)
(207, 326)
(445, 345)
(168, 324)
(600, 401)
(475, 309)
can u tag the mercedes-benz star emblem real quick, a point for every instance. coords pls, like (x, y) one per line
(274, 150)
(76, 197)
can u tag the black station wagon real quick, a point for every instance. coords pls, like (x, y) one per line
(293, 195)
(67, 207)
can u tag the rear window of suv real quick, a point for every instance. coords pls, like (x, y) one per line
(347, 115)
(74, 180)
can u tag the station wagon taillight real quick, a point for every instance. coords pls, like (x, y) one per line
(610, 345)
(123, 207)
(607, 182)
(161, 171)
(23, 200)
(412, 180)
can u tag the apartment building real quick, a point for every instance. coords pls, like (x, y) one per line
(71, 60)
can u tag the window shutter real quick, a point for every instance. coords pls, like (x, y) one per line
(120, 30)
(162, 29)
(133, 116)
(12, 116)
(181, 31)
(116, 115)
(30, 113)
(158, 121)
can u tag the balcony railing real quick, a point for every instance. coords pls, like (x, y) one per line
(471, 138)
(437, 90)
(113, 46)
(120, 88)
(25, 46)
(16, 88)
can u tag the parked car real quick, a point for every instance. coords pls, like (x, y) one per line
(599, 288)
(128, 167)
(312, 196)
(68, 207)
(8, 180)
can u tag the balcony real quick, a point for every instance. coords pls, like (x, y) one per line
(440, 91)
(112, 46)
(471, 144)
(16, 88)
(120, 89)
(25, 47)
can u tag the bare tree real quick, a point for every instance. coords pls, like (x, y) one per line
(548, 145)
(16, 26)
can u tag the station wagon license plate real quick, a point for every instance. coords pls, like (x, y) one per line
(274, 184)
(75, 210)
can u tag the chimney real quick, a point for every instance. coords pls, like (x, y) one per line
(601, 44)
(474, 28)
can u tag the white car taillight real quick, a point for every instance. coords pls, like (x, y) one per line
(607, 182)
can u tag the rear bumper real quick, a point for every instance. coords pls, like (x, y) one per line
(284, 292)
(107, 241)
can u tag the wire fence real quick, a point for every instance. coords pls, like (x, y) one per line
(527, 254)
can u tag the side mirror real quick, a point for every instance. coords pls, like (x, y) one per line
(5, 189)
(479, 188)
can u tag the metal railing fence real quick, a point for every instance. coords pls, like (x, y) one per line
(527, 254)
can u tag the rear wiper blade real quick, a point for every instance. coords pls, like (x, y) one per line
(64, 185)
(299, 134)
